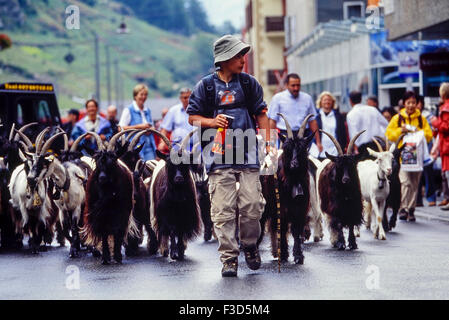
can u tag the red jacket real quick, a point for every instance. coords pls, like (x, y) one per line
(442, 125)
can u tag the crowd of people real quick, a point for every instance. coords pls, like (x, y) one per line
(423, 136)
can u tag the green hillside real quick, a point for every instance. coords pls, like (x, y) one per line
(164, 60)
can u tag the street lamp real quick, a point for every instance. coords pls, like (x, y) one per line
(122, 29)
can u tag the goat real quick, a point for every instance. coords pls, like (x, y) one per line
(132, 159)
(109, 201)
(394, 197)
(174, 209)
(339, 194)
(294, 182)
(30, 193)
(375, 187)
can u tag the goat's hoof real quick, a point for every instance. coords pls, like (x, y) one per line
(207, 235)
(165, 253)
(340, 246)
(299, 259)
(118, 260)
(74, 253)
(131, 252)
(43, 248)
(174, 255)
(96, 253)
(317, 239)
(152, 249)
(353, 246)
(105, 262)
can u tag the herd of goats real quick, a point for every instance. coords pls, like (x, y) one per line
(104, 201)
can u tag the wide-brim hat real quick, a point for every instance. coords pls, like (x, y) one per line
(227, 47)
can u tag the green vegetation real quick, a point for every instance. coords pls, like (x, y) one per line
(165, 61)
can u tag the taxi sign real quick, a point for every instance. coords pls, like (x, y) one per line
(27, 87)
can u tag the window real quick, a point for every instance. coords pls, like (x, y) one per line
(353, 9)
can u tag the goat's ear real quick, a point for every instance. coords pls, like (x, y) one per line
(161, 155)
(140, 147)
(330, 157)
(392, 148)
(372, 152)
(282, 137)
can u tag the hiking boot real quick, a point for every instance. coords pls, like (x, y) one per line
(403, 214)
(230, 268)
(445, 208)
(411, 216)
(252, 257)
(445, 202)
(431, 204)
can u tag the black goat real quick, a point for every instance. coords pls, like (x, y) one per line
(293, 180)
(109, 201)
(174, 209)
(340, 195)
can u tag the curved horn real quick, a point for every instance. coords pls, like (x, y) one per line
(138, 164)
(186, 139)
(163, 137)
(135, 140)
(400, 139)
(195, 146)
(11, 133)
(114, 139)
(24, 138)
(25, 127)
(77, 142)
(351, 144)
(302, 129)
(379, 147)
(287, 126)
(49, 142)
(337, 145)
(66, 138)
(40, 140)
(24, 146)
(100, 144)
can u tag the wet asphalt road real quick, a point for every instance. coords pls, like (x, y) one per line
(413, 263)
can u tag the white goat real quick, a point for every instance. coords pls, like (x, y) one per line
(375, 187)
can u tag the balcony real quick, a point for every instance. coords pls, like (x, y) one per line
(274, 26)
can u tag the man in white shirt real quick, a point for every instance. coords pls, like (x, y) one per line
(295, 106)
(176, 121)
(363, 117)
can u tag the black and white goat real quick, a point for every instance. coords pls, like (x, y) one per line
(294, 182)
(340, 198)
(31, 195)
(109, 201)
(174, 209)
(375, 187)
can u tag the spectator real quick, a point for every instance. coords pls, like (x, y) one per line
(176, 122)
(92, 122)
(442, 126)
(158, 123)
(330, 120)
(111, 113)
(363, 117)
(409, 120)
(137, 116)
(388, 113)
(372, 101)
(295, 105)
(73, 116)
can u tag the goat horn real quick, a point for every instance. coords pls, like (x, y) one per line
(351, 144)
(25, 139)
(11, 133)
(77, 142)
(100, 144)
(25, 127)
(136, 139)
(195, 146)
(114, 139)
(337, 145)
(400, 139)
(302, 129)
(186, 139)
(287, 126)
(49, 142)
(40, 140)
(163, 137)
(66, 139)
(379, 147)
(138, 164)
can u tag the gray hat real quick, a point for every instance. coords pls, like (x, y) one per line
(227, 47)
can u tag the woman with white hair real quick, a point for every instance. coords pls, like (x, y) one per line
(138, 116)
(330, 120)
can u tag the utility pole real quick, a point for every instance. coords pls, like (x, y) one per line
(97, 69)
(117, 84)
(108, 74)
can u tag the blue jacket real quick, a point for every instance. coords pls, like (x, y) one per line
(103, 128)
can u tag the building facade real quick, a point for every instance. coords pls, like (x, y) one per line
(264, 30)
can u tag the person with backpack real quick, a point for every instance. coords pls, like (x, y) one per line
(415, 153)
(223, 102)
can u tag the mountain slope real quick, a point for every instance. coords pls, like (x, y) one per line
(163, 60)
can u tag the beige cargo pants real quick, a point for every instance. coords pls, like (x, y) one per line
(227, 201)
(409, 188)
